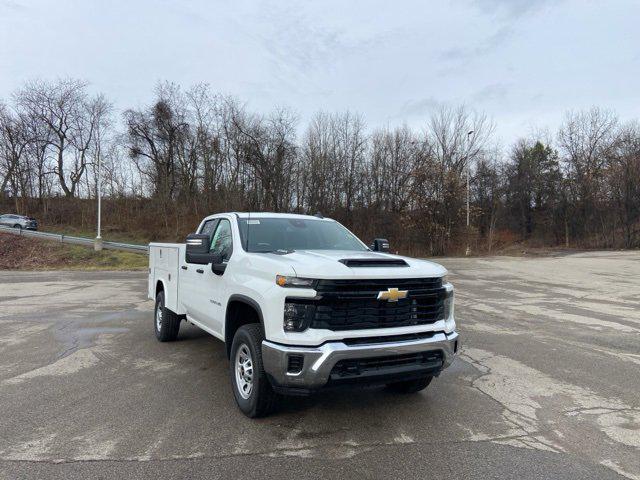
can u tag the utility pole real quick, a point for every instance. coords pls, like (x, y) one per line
(97, 245)
(468, 251)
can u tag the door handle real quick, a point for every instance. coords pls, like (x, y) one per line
(184, 267)
(199, 270)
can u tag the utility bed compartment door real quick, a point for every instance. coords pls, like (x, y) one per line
(164, 266)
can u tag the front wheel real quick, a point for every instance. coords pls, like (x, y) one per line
(165, 323)
(18, 226)
(251, 387)
(410, 386)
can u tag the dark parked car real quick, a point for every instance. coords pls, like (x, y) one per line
(18, 221)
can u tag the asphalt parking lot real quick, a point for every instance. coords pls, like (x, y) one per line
(547, 386)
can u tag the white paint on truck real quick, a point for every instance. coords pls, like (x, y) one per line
(322, 302)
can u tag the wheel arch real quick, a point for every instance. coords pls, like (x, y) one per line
(241, 310)
(160, 286)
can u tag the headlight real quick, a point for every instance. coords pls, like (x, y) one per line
(445, 279)
(294, 282)
(297, 316)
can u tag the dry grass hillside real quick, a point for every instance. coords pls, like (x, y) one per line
(21, 253)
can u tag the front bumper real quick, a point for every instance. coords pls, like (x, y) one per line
(318, 362)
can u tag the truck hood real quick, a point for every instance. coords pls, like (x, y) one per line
(335, 264)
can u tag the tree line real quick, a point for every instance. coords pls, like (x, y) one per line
(192, 152)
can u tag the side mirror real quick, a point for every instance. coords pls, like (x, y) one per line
(380, 245)
(198, 249)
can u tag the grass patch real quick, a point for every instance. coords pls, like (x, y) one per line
(109, 234)
(79, 257)
(25, 253)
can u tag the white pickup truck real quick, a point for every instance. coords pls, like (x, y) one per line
(302, 304)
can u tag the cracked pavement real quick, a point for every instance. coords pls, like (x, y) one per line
(546, 386)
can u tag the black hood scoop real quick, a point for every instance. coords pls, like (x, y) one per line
(373, 262)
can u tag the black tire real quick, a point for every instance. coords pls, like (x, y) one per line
(168, 325)
(18, 226)
(410, 386)
(261, 399)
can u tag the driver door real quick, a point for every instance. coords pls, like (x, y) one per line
(191, 290)
(213, 286)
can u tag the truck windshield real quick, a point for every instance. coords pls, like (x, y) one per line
(289, 234)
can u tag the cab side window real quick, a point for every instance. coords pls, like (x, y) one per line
(222, 242)
(209, 226)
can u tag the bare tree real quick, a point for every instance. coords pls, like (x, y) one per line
(452, 148)
(623, 178)
(71, 118)
(14, 141)
(270, 151)
(395, 157)
(334, 156)
(155, 138)
(319, 169)
(39, 157)
(587, 140)
(448, 133)
(489, 196)
(208, 139)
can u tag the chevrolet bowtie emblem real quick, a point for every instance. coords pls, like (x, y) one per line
(392, 295)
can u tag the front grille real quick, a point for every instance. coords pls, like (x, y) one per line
(370, 288)
(382, 365)
(353, 304)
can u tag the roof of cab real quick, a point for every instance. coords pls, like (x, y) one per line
(276, 215)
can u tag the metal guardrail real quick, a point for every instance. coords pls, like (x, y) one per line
(89, 242)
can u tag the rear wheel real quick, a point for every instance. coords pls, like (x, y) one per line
(251, 388)
(410, 386)
(165, 323)
(17, 225)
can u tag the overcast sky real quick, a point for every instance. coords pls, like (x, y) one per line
(523, 62)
